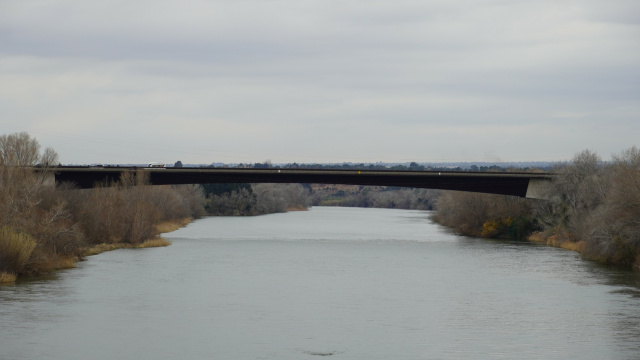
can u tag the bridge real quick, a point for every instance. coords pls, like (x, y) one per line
(522, 184)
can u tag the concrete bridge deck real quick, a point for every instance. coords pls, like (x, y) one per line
(505, 183)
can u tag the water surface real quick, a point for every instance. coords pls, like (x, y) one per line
(341, 283)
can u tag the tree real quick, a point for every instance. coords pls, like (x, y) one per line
(614, 235)
(415, 166)
(486, 215)
(19, 150)
(19, 184)
(579, 189)
(49, 158)
(32, 223)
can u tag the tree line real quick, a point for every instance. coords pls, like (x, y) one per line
(413, 166)
(593, 207)
(255, 199)
(45, 227)
(374, 197)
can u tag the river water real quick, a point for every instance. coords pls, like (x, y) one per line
(340, 283)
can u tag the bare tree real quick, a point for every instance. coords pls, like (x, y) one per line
(19, 185)
(192, 198)
(614, 235)
(576, 193)
(49, 158)
(234, 203)
(19, 150)
(270, 198)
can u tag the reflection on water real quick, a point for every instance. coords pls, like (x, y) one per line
(331, 282)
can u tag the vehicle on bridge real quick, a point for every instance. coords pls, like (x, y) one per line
(155, 165)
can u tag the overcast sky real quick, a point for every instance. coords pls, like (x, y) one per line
(135, 81)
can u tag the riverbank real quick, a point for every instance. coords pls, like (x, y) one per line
(297, 208)
(158, 241)
(54, 263)
(591, 207)
(45, 228)
(557, 241)
(577, 246)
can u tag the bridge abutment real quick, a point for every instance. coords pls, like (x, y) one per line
(537, 189)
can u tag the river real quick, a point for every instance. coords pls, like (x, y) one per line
(338, 283)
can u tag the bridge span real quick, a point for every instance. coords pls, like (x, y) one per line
(505, 183)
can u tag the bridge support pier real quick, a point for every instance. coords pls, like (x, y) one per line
(537, 189)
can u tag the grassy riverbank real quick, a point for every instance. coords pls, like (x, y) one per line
(158, 241)
(100, 248)
(52, 263)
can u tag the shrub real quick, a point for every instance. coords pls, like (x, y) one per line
(15, 250)
(484, 215)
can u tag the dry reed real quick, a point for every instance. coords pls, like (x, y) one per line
(15, 250)
(7, 278)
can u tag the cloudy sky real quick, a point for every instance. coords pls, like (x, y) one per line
(204, 81)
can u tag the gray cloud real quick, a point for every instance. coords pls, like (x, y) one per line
(321, 80)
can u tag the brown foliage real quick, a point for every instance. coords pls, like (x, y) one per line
(15, 250)
(17, 150)
(44, 225)
(129, 210)
(594, 208)
(119, 213)
(28, 202)
(478, 214)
